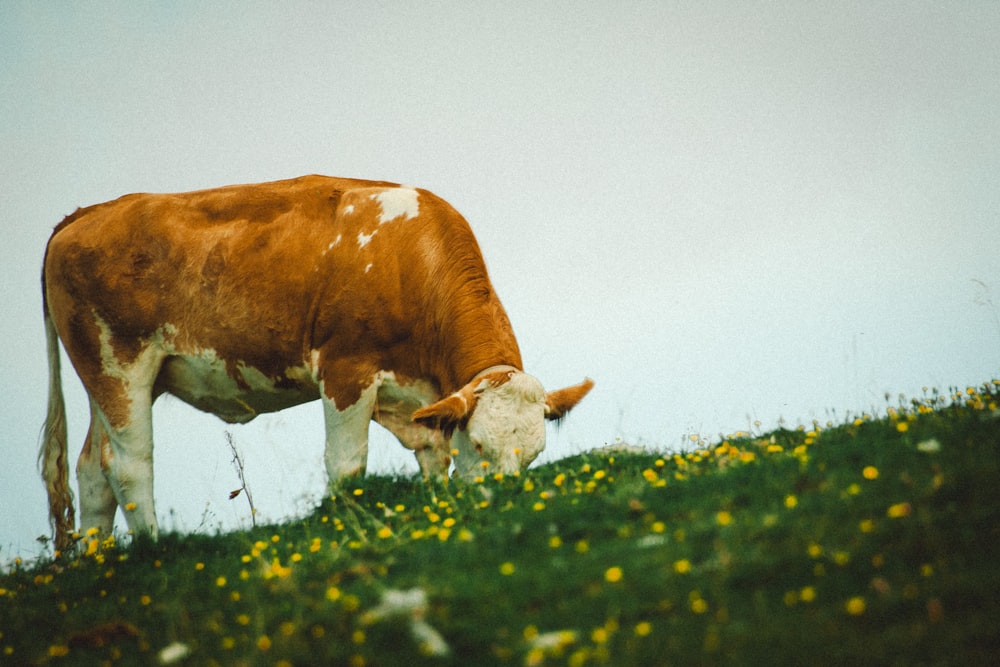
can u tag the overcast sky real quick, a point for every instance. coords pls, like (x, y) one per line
(721, 212)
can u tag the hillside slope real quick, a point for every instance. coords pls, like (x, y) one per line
(869, 542)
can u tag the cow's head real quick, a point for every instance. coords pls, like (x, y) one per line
(496, 423)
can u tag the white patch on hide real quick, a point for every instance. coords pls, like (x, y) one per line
(364, 239)
(333, 244)
(314, 362)
(398, 202)
(109, 363)
(142, 369)
(256, 380)
(200, 378)
(416, 392)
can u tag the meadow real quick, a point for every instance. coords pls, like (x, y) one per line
(872, 540)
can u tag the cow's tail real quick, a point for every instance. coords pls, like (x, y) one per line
(52, 454)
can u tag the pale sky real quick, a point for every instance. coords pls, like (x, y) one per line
(721, 212)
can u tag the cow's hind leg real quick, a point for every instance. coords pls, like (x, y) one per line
(130, 466)
(97, 499)
(125, 406)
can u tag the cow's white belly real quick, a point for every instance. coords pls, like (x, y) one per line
(202, 380)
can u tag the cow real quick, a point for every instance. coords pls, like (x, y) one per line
(370, 296)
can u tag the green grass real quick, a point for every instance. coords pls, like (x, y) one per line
(875, 541)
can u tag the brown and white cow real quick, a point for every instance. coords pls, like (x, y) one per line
(370, 296)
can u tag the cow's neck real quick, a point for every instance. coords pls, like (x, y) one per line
(475, 340)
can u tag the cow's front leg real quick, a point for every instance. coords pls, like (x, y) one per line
(347, 435)
(433, 452)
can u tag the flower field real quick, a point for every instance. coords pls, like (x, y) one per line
(871, 541)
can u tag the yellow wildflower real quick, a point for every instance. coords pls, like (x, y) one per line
(899, 511)
(855, 606)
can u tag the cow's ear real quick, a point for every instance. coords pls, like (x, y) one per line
(561, 401)
(447, 414)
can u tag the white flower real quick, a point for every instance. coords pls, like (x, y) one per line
(411, 604)
(172, 653)
(929, 446)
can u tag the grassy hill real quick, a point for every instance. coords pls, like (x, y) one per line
(875, 541)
